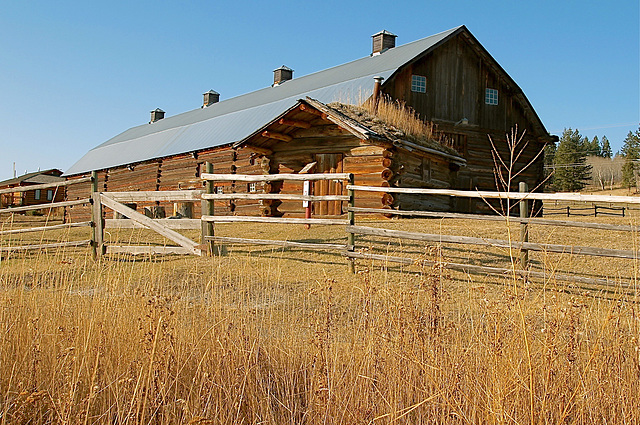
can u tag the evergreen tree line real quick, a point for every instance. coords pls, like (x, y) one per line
(566, 163)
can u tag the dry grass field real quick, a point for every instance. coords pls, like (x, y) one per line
(277, 336)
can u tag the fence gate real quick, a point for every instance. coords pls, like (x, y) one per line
(114, 201)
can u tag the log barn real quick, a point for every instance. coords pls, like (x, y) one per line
(448, 79)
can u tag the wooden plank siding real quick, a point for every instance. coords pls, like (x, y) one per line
(457, 76)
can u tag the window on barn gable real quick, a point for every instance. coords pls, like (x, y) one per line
(418, 84)
(36, 195)
(491, 96)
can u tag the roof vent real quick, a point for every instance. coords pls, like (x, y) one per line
(382, 42)
(156, 115)
(281, 75)
(210, 98)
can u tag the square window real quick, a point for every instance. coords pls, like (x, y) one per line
(36, 195)
(49, 195)
(219, 190)
(418, 84)
(491, 97)
(251, 187)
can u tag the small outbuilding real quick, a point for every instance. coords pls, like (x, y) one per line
(36, 196)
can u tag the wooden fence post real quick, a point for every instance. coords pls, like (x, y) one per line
(208, 209)
(351, 240)
(97, 225)
(524, 227)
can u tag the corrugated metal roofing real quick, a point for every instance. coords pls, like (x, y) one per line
(234, 119)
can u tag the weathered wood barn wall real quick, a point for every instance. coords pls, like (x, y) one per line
(458, 75)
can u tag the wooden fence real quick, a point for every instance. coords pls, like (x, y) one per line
(48, 208)
(521, 199)
(594, 211)
(210, 242)
(209, 217)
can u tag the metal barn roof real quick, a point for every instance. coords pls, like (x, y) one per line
(234, 119)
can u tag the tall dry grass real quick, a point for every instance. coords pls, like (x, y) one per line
(401, 116)
(240, 339)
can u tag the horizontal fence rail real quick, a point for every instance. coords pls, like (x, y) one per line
(500, 218)
(45, 228)
(535, 196)
(170, 223)
(45, 246)
(284, 244)
(156, 196)
(279, 196)
(280, 220)
(45, 206)
(273, 177)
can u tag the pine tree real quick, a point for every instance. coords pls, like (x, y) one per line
(606, 148)
(594, 147)
(631, 153)
(571, 170)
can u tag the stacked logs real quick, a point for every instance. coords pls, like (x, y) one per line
(269, 207)
(389, 175)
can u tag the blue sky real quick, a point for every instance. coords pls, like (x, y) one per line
(74, 73)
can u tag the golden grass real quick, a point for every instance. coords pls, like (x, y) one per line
(288, 336)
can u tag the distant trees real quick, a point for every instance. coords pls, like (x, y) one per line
(570, 162)
(567, 167)
(631, 153)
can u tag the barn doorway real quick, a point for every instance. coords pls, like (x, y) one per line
(328, 163)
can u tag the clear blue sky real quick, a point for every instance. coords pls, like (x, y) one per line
(76, 73)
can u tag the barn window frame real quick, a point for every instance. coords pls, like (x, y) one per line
(251, 187)
(219, 190)
(491, 96)
(37, 194)
(418, 84)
